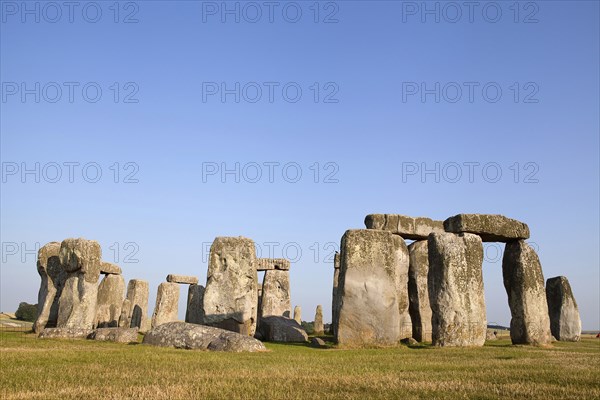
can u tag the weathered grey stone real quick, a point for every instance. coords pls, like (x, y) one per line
(318, 323)
(269, 264)
(111, 293)
(110, 268)
(80, 258)
(136, 306)
(195, 311)
(490, 335)
(490, 227)
(298, 315)
(281, 329)
(53, 279)
(524, 284)
(370, 289)
(167, 304)
(455, 284)
(419, 308)
(335, 301)
(118, 335)
(565, 323)
(410, 341)
(64, 333)
(182, 335)
(414, 228)
(231, 295)
(318, 343)
(183, 279)
(276, 294)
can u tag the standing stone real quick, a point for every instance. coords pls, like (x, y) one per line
(135, 306)
(53, 280)
(276, 294)
(524, 284)
(334, 296)
(167, 302)
(403, 301)
(80, 259)
(318, 324)
(455, 284)
(565, 323)
(369, 288)
(231, 295)
(419, 308)
(195, 300)
(111, 293)
(298, 315)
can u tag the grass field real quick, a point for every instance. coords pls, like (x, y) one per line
(33, 368)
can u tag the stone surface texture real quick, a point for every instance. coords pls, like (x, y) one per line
(565, 323)
(195, 305)
(111, 293)
(418, 294)
(414, 228)
(490, 227)
(167, 304)
(52, 281)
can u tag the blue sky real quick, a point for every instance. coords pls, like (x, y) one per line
(362, 121)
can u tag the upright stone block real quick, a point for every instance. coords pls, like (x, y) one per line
(370, 288)
(565, 323)
(231, 295)
(455, 284)
(524, 284)
(135, 306)
(419, 308)
(167, 304)
(334, 295)
(276, 294)
(195, 301)
(318, 323)
(80, 259)
(53, 279)
(111, 293)
(298, 315)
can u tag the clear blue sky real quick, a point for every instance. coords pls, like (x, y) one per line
(369, 121)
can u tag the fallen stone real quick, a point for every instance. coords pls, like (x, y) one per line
(410, 341)
(369, 288)
(455, 285)
(53, 279)
(167, 304)
(231, 294)
(565, 323)
(418, 294)
(110, 268)
(318, 343)
(281, 329)
(318, 323)
(111, 293)
(195, 311)
(80, 258)
(524, 284)
(269, 264)
(414, 228)
(64, 333)
(490, 227)
(118, 335)
(490, 335)
(275, 299)
(136, 306)
(182, 335)
(298, 315)
(183, 279)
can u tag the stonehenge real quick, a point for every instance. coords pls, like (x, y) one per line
(231, 294)
(565, 323)
(400, 280)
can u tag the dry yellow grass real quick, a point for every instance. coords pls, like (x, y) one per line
(46, 369)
